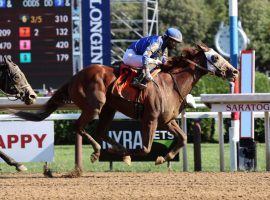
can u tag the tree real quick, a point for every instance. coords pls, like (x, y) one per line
(199, 20)
(256, 23)
(190, 16)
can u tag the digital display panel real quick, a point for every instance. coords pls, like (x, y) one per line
(37, 35)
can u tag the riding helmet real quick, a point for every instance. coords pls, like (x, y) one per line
(174, 33)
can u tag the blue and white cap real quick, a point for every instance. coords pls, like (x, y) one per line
(174, 33)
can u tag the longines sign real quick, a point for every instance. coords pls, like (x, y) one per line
(241, 107)
(96, 32)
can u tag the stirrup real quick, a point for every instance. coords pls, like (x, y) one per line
(138, 84)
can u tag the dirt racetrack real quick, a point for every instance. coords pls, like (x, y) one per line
(127, 185)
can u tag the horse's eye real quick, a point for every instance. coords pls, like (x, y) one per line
(16, 77)
(214, 58)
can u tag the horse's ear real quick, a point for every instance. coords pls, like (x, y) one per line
(202, 46)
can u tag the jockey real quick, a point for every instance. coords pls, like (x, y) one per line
(150, 51)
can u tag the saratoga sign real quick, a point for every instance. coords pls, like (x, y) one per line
(242, 107)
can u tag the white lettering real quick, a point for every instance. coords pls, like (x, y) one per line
(132, 140)
(127, 139)
(92, 2)
(95, 15)
(96, 39)
(116, 136)
(137, 144)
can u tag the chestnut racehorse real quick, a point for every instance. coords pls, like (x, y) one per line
(163, 99)
(14, 83)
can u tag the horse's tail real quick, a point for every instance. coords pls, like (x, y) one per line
(59, 98)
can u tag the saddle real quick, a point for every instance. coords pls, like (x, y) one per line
(122, 86)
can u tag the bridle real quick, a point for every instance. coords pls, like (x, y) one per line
(196, 65)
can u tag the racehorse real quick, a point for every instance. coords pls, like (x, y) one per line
(14, 83)
(158, 105)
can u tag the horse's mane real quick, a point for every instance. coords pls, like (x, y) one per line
(172, 62)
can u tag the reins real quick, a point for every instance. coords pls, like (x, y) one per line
(177, 88)
(198, 66)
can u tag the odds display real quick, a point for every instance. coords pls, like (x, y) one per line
(37, 35)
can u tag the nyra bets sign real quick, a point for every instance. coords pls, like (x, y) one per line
(128, 133)
(27, 141)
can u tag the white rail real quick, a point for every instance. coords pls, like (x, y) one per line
(6, 103)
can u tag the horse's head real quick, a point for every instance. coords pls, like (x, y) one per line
(13, 82)
(217, 65)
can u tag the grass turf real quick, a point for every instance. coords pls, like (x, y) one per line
(64, 161)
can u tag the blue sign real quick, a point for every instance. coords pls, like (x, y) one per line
(3, 4)
(59, 3)
(96, 32)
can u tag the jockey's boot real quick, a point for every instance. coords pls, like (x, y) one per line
(139, 82)
(148, 75)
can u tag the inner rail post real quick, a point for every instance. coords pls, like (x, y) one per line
(267, 140)
(184, 128)
(221, 141)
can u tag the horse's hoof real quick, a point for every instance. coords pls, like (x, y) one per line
(21, 168)
(94, 157)
(159, 160)
(127, 160)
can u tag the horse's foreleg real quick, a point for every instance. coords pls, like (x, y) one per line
(10, 161)
(148, 132)
(149, 128)
(180, 141)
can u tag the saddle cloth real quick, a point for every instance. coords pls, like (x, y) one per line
(122, 86)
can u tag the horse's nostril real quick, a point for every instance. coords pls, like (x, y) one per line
(33, 96)
(235, 72)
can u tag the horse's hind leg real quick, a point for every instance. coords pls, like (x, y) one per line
(105, 118)
(90, 100)
(84, 119)
(10, 161)
(180, 141)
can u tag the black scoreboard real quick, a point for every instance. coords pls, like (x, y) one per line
(37, 35)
